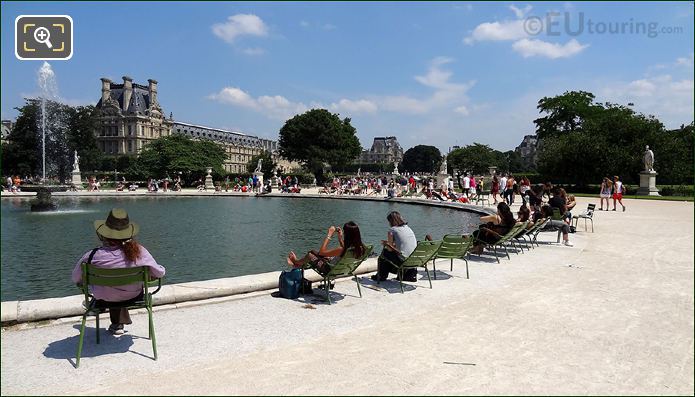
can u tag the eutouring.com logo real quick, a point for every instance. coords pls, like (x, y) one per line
(577, 24)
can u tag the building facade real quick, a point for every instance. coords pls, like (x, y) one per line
(131, 117)
(384, 150)
(528, 150)
(6, 126)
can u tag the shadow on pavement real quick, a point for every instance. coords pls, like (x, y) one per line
(66, 349)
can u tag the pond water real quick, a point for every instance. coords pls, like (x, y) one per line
(195, 238)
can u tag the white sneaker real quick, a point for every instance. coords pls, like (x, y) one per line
(116, 329)
(568, 243)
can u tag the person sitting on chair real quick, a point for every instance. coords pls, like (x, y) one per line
(119, 250)
(493, 227)
(400, 243)
(325, 258)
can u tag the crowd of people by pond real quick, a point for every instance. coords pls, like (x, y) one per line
(544, 203)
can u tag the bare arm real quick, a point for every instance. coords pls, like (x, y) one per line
(490, 218)
(324, 250)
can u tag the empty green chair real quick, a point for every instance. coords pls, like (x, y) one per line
(423, 253)
(453, 247)
(92, 275)
(345, 267)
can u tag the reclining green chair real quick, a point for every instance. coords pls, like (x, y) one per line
(423, 253)
(504, 239)
(92, 275)
(346, 267)
(453, 246)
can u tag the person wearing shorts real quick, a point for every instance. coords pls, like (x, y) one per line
(618, 190)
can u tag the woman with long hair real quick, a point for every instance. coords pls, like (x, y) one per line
(119, 250)
(349, 239)
(499, 223)
(605, 194)
(495, 188)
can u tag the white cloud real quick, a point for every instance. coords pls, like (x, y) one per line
(329, 26)
(462, 110)
(529, 48)
(356, 106)
(304, 24)
(240, 25)
(520, 13)
(253, 51)
(497, 31)
(669, 99)
(276, 107)
(687, 62)
(516, 31)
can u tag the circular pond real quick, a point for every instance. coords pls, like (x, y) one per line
(195, 238)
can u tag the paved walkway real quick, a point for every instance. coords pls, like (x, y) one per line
(612, 315)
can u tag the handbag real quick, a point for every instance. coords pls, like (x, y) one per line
(290, 282)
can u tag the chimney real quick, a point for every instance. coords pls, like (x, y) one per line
(152, 88)
(105, 89)
(127, 91)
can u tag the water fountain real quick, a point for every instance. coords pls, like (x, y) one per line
(43, 201)
(49, 90)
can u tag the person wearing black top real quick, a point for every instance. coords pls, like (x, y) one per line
(493, 227)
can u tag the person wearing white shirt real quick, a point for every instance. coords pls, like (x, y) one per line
(466, 184)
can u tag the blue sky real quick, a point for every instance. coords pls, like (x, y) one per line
(444, 74)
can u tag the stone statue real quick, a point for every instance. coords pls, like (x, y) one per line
(76, 164)
(359, 171)
(648, 159)
(395, 168)
(442, 168)
(258, 167)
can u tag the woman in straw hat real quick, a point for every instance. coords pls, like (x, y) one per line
(119, 250)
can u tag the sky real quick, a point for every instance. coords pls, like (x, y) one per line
(443, 74)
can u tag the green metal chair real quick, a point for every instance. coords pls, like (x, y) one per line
(503, 240)
(346, 267)
(423, 253)
(92, 275)
(453, 247)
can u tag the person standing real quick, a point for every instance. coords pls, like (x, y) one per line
(495, 188)
(119, 250)
(503, 187)
(605, 194)
(467, 184)
(618, 191)
(399, 244)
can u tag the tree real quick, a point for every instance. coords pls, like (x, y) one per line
(267, 166)
(422, 158)
(476, 158)
(317, 137)
(565, 113)
(177, 153)
(585, 141)
(83, 122)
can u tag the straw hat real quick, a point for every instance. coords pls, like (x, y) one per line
(117, 226)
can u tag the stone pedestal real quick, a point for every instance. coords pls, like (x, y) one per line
(77, 179)
(442, 178)
(208, 179)
(259, 175)
(647, 184)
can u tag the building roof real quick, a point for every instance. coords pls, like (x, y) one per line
(139, 101)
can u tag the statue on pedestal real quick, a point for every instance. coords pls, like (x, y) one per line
(258, 167)
(76, 164)
(443, 167)
(395, 168)
(648, 159)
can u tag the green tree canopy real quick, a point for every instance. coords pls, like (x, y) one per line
(177, 153)
(317, 137)
(476, 158)
(584, 141)
(422, 158)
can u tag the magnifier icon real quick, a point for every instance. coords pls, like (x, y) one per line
(43, 36)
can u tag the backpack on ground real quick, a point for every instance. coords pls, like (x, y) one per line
(290, 283)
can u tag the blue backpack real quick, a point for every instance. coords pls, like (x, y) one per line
(290, 283)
